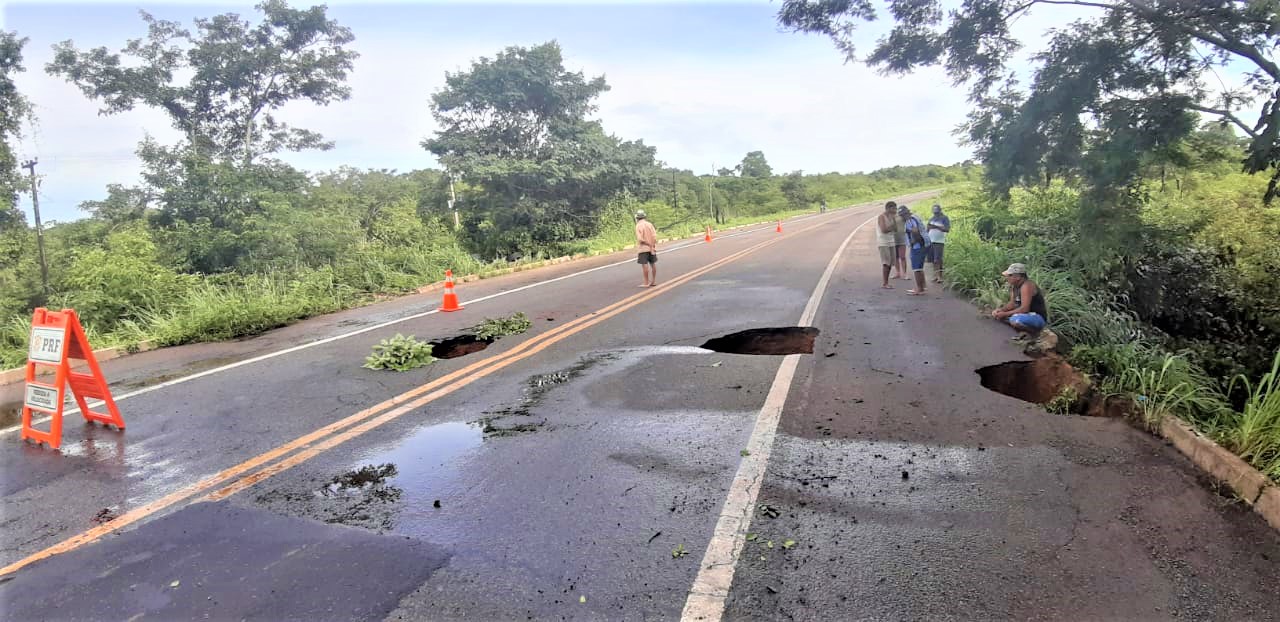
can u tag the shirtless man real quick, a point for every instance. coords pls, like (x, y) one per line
(647, 245)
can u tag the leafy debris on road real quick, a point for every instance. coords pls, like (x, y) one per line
(769, 510)
(678, 552)
(788, 544)
(493, 328)
(744, 453)
(105, 515)
(400, 353)
(752, 537)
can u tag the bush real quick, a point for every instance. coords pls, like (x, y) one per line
(399, 353)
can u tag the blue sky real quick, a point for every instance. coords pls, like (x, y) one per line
(703, 82)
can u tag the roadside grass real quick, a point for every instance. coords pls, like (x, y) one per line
(1114, 348)
(221, 307)
(1255, 433)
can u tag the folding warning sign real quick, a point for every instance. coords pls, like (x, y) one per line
(56, 339)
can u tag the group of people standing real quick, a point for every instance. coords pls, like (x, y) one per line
(902, 236)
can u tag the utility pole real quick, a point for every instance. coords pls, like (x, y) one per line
(675, 196)
(711, 198)
(30, 165)
(453, 201)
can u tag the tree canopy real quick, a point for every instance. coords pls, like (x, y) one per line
(1106, 90)
(221, 83)
(516, 127)
(14, 109)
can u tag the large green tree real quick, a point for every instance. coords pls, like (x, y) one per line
(14, 110)
(222, 83)
(517, 128)
(1108, 89)
(754, 165)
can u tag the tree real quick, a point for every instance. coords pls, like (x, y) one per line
(222, 84)
(515, 128)
(14, 109)
(1121, 81)
(793, 187)
(754, 165)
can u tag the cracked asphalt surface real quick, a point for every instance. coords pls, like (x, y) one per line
(560, 486)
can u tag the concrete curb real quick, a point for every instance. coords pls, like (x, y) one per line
(1247, 482)
(19, 374)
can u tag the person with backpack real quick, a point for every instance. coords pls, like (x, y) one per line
(918, 245)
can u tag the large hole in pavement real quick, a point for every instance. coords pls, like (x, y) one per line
(766, 341)
(461, 345)
(1039, 381)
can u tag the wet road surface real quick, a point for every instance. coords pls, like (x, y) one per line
(567, 483)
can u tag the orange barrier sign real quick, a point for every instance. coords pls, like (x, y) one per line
(56, 339)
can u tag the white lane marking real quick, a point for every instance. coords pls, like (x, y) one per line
(710, 588)
(312, 344)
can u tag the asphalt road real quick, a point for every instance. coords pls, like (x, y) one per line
(581, 470)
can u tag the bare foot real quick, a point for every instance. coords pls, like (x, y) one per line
(643, 285)
(912, 292)
(654, 284)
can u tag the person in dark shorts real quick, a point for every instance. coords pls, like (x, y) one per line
(1026, 311)
(647, 245)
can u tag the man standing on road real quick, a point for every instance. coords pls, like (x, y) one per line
(647, 245)
(939, 225)
(1026, 311)
(886, 242)
(918, 246)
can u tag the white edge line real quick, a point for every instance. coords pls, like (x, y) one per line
(710, 589)
(320, 342)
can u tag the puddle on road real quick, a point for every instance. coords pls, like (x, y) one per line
(766, 341)
(462, 345)
(374, 493)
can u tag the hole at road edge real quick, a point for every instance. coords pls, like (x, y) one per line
(766, 341)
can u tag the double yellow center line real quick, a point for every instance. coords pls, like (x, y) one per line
(303, 448)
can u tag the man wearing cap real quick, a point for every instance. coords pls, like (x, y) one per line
(1026, 311)
(647, 245)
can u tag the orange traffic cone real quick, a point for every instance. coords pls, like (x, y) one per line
(779, 226)
(708, 236)
(450, 296)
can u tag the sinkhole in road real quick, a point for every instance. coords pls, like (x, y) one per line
(766, 341)
(1040, 381)
(462, 345)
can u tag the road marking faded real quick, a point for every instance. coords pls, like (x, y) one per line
(320, 342)
(710, 588)
(361, 422)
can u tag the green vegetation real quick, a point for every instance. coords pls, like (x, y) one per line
(399, 353)
(493, 328)
(221, 239)
(1117, 174)
(1178, 320)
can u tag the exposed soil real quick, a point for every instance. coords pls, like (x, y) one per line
(359, 498)
(1040, 381)
(766, 341)
(461, 345)
(10, 414)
